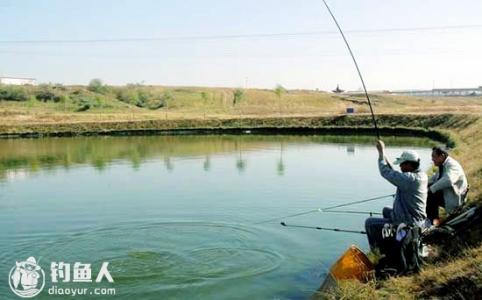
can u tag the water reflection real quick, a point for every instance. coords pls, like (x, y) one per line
(168, 163)
(280, 166)
(21, 157)
(350, 149)
(207, 163)
(240, 162)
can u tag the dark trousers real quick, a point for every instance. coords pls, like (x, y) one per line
(434, 201)
(374, 226)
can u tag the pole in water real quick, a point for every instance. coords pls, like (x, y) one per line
(357, 68)
(323, 228)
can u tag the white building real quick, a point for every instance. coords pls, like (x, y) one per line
(18, 81)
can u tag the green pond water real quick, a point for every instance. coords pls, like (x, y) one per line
(177, 217)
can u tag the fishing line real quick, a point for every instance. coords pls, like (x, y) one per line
(323, 228)
(329, 209)
(356, 202)
(357, 68)
(291, 216)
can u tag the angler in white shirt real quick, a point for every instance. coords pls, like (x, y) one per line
(448, 187)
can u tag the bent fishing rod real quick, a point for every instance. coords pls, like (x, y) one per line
(323, 228)
(377, 131)
(357, 68)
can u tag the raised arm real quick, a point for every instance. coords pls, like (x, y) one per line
(399, 179)
(396, 178)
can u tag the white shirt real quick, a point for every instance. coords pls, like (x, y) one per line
(453, 184)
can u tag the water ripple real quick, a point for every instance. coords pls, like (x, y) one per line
(166, 255)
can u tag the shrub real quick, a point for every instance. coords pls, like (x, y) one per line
(156, 101)
(167, 96)
(10, 93)
(144, 98)
(128, 95)
(279, 90)
(83, 104)
(97, 86)
(47, 93)
(204, 96)
(238, 95)
(99, 102)
(162, 101)
(83, 101)
(157, 104)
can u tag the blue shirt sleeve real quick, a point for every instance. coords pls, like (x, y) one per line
(397, 178)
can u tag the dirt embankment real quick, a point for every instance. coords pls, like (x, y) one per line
(435, 126)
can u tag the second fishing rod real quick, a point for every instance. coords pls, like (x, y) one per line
(331, 209)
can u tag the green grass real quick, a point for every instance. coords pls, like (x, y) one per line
(137, 102)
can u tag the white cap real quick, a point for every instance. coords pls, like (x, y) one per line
(408, 155)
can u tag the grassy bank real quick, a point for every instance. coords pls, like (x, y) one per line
(68, 104)
(68, 111)
(458, 277)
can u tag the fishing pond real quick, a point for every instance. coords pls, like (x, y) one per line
(192, 216)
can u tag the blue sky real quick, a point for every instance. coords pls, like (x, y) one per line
(444, 57)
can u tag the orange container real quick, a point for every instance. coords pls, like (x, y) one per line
(353, 264)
